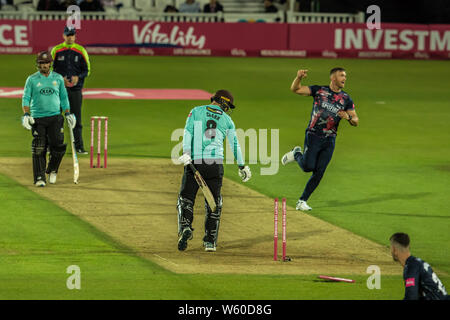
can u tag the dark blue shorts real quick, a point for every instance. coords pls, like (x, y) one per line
(317, 152)
(315, 157)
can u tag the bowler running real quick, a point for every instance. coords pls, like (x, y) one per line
(330, 105)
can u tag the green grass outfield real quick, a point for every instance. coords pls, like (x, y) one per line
(389, 174)
(40, 240)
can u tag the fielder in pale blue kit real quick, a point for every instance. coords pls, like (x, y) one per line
(206, 128)
(43, 99)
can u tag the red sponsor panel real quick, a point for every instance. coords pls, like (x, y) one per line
(15, 37)
(440, 41)
(355, 40)
(125, 37)
(341, 40)
(313, 37)
(47, 34)
(390, 38)
(150, 51)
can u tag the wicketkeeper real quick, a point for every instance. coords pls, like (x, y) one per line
(206, 128)
(43, 99)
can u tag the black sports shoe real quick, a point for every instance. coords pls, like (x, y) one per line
(185, 236)
(82, 151)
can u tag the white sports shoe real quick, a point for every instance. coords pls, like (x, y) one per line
(209, 246)
(302, 206)
(52, 177)
(40, 183)
(289, 157)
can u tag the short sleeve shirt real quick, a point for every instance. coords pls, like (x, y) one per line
(327, 103)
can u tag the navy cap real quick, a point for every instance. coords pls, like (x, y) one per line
(69, 31)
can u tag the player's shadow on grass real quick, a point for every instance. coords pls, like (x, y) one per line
(380, 198)
(406, 215)
(443, 167)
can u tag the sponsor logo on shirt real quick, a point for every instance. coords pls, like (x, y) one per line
(47, 91)
(214, 110)
(330, 107)
(410, 282)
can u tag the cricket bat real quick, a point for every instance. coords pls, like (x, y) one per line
(202, 184)
(76, 167)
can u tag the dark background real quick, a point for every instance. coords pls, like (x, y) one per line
(404, 11)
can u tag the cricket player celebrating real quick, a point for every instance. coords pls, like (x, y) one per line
(331, 104)
(206, 128)
(43, 98)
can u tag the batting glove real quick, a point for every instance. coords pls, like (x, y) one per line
(245, 173)
(71, 120)
(27, 121)
(185, 159)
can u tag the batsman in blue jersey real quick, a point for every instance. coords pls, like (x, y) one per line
(43, 99)
(421, 283)
(205, 131)
(330, 105)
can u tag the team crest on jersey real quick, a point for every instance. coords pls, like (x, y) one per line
(338, 98)
(55, 83)
(214, 110)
